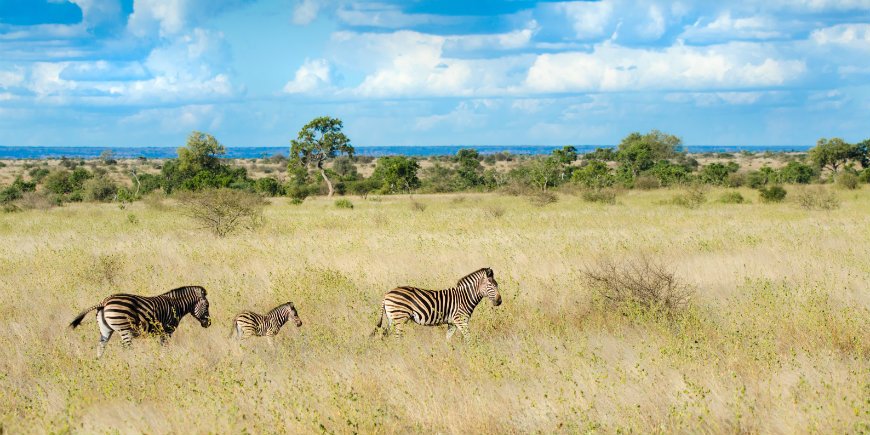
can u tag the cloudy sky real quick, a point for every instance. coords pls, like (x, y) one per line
(429, 72)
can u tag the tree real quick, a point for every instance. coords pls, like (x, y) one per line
(108, 157)
(469, 167)
(831, 153)
(796, 172)
(717, 173)
(637, 152)
(320, 140)
(595, 175)
(861, 153)
(544, 172)
(200, 152)
(566, 155)
(397, 173)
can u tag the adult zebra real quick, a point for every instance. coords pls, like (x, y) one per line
(133, 315)
(452, 306)
(249, 324)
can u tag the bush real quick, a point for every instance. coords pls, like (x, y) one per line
(639, 281)
(99, 189)
(343, 203)
(296, 201)
(36, 201)
(817, 198)
(418, 206)
(797, 173)
(541, 198)
(864, 176)
(772, 194)
(495, 211)
(646, 182)
(223, 211)
(268, 186)
(692, 197)
(736, 179)
(732, 197)
(847, 180)
(604, 196)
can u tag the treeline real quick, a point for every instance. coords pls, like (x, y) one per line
(322, 161)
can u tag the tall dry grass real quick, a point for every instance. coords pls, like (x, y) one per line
(775, 340)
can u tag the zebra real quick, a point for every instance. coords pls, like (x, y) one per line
(248, 323)
(133, 315)
(452, 306)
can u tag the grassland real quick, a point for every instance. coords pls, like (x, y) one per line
(776, 339)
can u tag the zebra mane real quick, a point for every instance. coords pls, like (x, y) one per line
(280, 307)
(474, 276)
(185, 291)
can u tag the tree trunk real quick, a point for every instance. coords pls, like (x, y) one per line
(328, 183)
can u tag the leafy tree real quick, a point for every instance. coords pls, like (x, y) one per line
(861, 153)
(439, 178)
(108, 157)
(397, 174)
(320, 140)
(668, 173)
(99, 189)
(268, 186)
(594, 175)
(796, 172)
(200, 153)
(469, 169)
(566, 155)
(603, 154)
(545, 172)
(717, 173)
(832, 153)
(762, 177)
(58, 182)
(345, 168)
(638, 153)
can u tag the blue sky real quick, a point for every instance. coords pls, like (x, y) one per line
(113, 73)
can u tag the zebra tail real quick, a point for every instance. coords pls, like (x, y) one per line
(78, 320)
(380, 321)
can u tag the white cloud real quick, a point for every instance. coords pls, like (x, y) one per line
(164, 16)
(589, 19)
(615, 68)
(314, 74)
(305, 12)
(853, 35)
(99, 12)
(10, 78)
(178, 119)
(724, 27)
(704, 99)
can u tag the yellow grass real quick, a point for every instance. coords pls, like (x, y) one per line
(776, 340)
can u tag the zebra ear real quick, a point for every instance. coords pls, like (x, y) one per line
(488, 272)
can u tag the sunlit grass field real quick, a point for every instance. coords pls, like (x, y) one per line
(775, 340)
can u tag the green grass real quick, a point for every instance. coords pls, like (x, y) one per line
(775, 341)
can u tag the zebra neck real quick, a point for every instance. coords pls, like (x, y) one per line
(470, 294)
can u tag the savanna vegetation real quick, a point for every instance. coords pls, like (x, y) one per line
(632, 316)
(645, 290)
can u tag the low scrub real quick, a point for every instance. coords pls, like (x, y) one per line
(343, 203)
(223, 211)
(639, 280)
(847, 180)
(772, 194)
(418, 206)
(495, 211)
(731, 197)
(541, 198)
(817, 198)
(692, 197)
(603, 196)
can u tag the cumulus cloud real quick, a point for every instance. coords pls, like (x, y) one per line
(611, 67)
(854, 35)
(305, 12)
(725, 27)
(314, 74)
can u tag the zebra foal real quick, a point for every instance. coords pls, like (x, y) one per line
(132, 315)
(452, 306)
(249, 324)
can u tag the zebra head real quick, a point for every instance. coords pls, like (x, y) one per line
(292, 314)
(488, 287)
(200, 310)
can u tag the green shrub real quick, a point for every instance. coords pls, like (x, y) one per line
(99, 189)
(343, 203)
(817, 198)
(847, 180)
(646, 182)
(797, 173)
(772, 194)
(731, 197)
(736, 179)
(296, 201)
(603, 196)
(692, 197)
(864, 176)
(268, 186)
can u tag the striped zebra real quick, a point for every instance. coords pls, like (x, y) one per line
(249, 324)
(132, 315)
(452, 306)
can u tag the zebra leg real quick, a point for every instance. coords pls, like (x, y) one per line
(462, 326)
(399, 325)
(451, 329)
(126, 337)
(105, 333)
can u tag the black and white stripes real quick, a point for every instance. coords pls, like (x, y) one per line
(452, 306)
(133, 315)
(250, 324)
